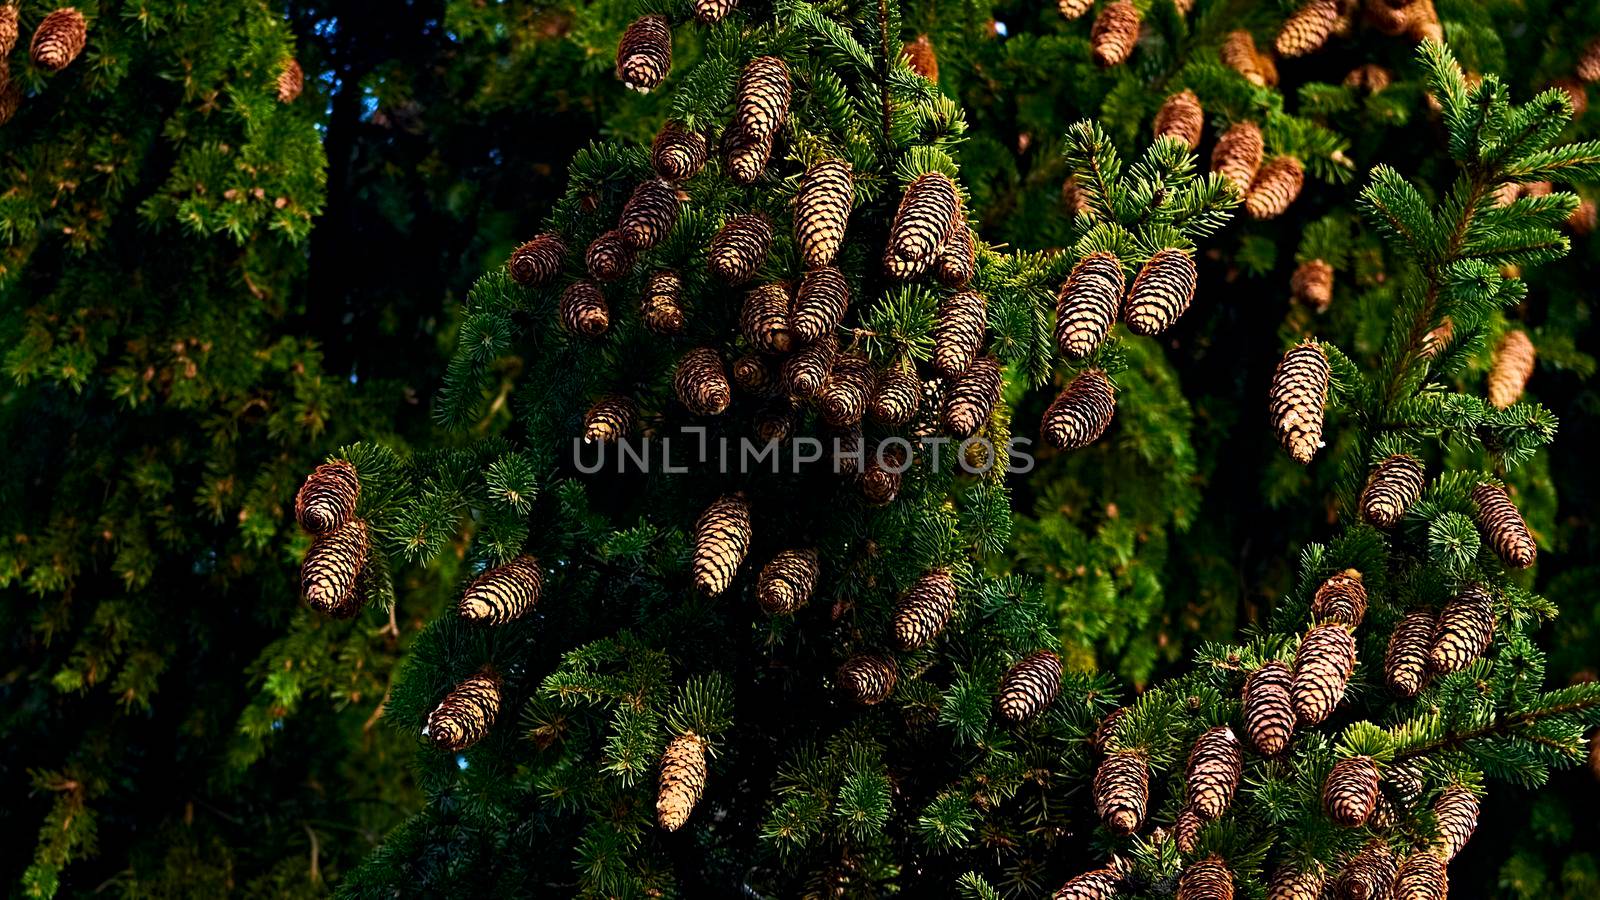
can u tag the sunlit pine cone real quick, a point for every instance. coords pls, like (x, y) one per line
(610, 419)
(1503, 525)
(328, 497)
(1312, 284)
(721, 540)
(868, 679)
(682, 780)
(1115, 32)
(1405, 663)
(649, 214)
(1274, 188)
(1464, 632)
(332, 569)
(922, 613)
(958, 332)
(1394, 485)
(1308, 28)
(1455, 817)
(843, 400)
(503, 593)
(1208, 879)
(537, 261)
(1121, 790)
(1513, 366)
(1095, 884)
(700, 383)
(764, 318)
(58, 39)
(1322, 668)
(881, 477)
(1293, 883)
(8, 28)
(1421, 877)
(920, 57)
(921, 222)
(1161, 292)
(466, 714)
(710, 12)
(1086, 305)
(1588, 68)
(1073, 9)
(972, 397)
(1298, 400)
(1238, 52)
(805, 372)
(1081, 412)
(1182, 117)
(1351, 791)
(291, 81)
(822, 302)
(1216, 763)
(761, 99)
(584, 310)
(662, 309)
(1269, 716)
(787, 581)
(644, 54)
(822, 210)
(895, 396)
(678, 154)
(1237, 155)
(1342, 598)
(1186, 830)
(1369, 875)
(740, 247)
(1438, 338)
(1030, 686)
(958, 259)
(609, 257)
(748, 157)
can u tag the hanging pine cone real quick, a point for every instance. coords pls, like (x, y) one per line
(824, 297)
(721, 539)
(1502, 524)
(755, 376)
(662, 310)
(1438, 338)
(748, 157)
(1421, 877)
(1115, 31)
(1237, 155)
(1588, 68)
(1238, 53)
(1274, 188)
(700, 383)
(821, 211)
(1215, 765)
(929, 419)
(1584, 219)
(806, 372)
(609, 257)
(1086, 305)
(1342, 598)
(1081, 412)
(59, 39)
(787, 581)
(328, 497)
(1394, 485)
(710, 12)
(775, 422)
(1369, 875)
(844, 395)
(972, 397)
(1208, 879)
(882, 474)
(921, 222)
(584, 310)
(537, 261)
(1182, 117)
(649, 214)
(1405, 664)
(1268, 710)
(740, 247)
(503, 593)
(1513, 366)
(1312, 284)
(958, 332)
(958, 258)
(466, 714)
(10, 97)
(1121, 791)
(644, 55)
(894, 397)
(1455, 816)
(1351, 790)
(682, 781)
(764, 318)
(1073, 198)
(291, 81)
(1422, 22)
(1161, 292)
(1322, 666)
(1292, 883)
(1371, 78)
(1465, 630)
(761, 98)
(922, 613)
(1298, 397)
(678, 154)
(1186, 830)
(1308, 29)
(609, 419)
(868, 679)
(1030, 686)
(1096, 884)
(8, 28)
(921, 59)
(332, 568)
(1387, 18)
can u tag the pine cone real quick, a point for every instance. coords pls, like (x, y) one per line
(929, 420)
(1115, 31)
(1438, 338)
(882, 474)
(775, 422)
(958, 332)
(1308, 29)
(1371, 77)
(868, 679)
(1455, 816)
(1186, 830)
(721, 539)
(10, 97)
(1268, 710)
(1322, 666)
(644, 55)
(609, 257)
(1030, 686)
(972, 397)
(662, 310)
(1215, 765)
(1369, 875)
(1394, 485)
(761, 99)
(328, 498)
(584, 310)
(683, 780)
(1291, 883)
(1342, 598)
(824, 297)
(710, 12)
(844, 395)
(466, 714)
(503, 593)
(786, 582)
(1312, 284)
(1465, 630)
(1073, 197)
(1208, 879)
(1081, 412)
(700, 383)
(1161, 292)
(740, 247)
(806, 372)
(1584, 219)
(1096, 884)
(1238, 53)
(610, 418)
(1274, 188)
(919, 56)
(8, 28)
(1502, 524)
(59, 39)
(1299, 394)
(291, 81)
(754, 375)
(1588, 68)
(1405, 664)
(1237, 155)
(894, 397)
(649, 214)
(1422, 22)
(748, 157)
(1182, 117)
(332, 569)
(764, 318)
(821, 211)
(1513, 366)
(1351, 791)
(537, 261)
(1388, 18)
(1073, 9)
(924, 217)
(1087, 303)
(922, 613)
(1121, 791)
(958, 258)
(1421, 877)
(678, 154)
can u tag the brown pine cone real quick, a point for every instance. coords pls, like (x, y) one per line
(328, 498)
(761, 98)
(584, 310)
(929, 418)
(1298, 398)
(1438, 338)
(1464, 632)
(1584, 219)
(1513, 366)
(958, 258)
(332, 569)
(1422, 22)
(958, 332)
(662, 309)
(1081, 412)
(1394, 485)
(678, 154)
(1386, 17)
(1405, 664)
(787, 581)
(806, 372)
(291, 81)
(649, 214)
(1322, 666)
(710, 12)
(1342, 598)
(1502, 524)
(609, 419)
(1292, 883)
(844, 395)
(1030, 686)
(822, 210)
(922, 613)
(466, 714)
(721, 539)
(740, 247)
(537, 261)
(1421, 877)
(1369, 875)
(972, 397)
(8, 28)
(609, 257)
(882, 474)
(1208, 879)
(1268, 710)
(1588, 68)
(1312, 284)
(1238, 53)
(701, 384)
(1115, 31)
(824, 297)
(1455, 816)
(1121, 791)
(1308, 29)
(755, 376)
(1086, 305)
(924, 217)
(894, 397)
(868, 679)
(1237, 155)
(764, 318)
(1274, 188)
(1351, 791)
(1215, 764)
(1186, 830)
(919, 56)
(1073, 9)
(776, 421)
(1371, 78)
(644, 55)
(748, 157)
(1073, 197)
(10, 97)
(1161, 292)
(1095, 884)
(682, 781)
(503, 593)
(59, 39)
(1182, 117)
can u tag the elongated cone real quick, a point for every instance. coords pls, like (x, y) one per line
(1312, 284)
(921, 222)
(584, 310)
(8, 28)
(764, 318)
(1502, 524)
(1081, 412)
(1208, 879)
(972, 397)
(1322, 667)
(662, 309)
(748, 157)
(537, 261)
(1215, 763)
(1405, 664)
(1342, 598)
(1182, 117)
(610, 418)
(1095, 884)
(1513, 366)
(806, 372)
(881, 475)
(649, 214)
(1293, 883)
(1394, 485)
(1455, 816)
(10, 97)
(1238, 52)
(1115, 31)
(678, 154)
(332, 569)
(721, 540)
(291, 81)
(1308, 29)
(1369, 875)
(922, 613)
(503, 593)
(787, 581)
(822, 210)
(1588, 68)
(328, 497)
(59, 39)
(682, 780)
(844, 395)
(1421, 877)
(466, 714)
(1298, 399)
(644, 55)
(820, 307)
(1030, 686)
(710, 12)
(1073, 9)
(761, 98)
(1073, 198)
(754, 375)
(958, 258)
(1268, 709)
(868, 679)
(1465, 630)
(1086, 305)
(1121, 791)
(919, 56)
(1237, 155)
(1584, 219)
(958, 332)
(740, 247)
(1161, 292)
(1351, 790)
(1186, 830)
(609, 257)
(894, 397)
(1274, 188)
(929, 419)
(701, 384)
